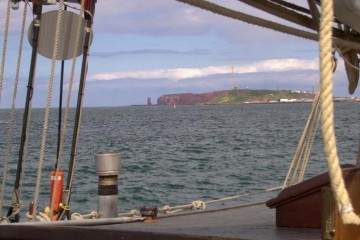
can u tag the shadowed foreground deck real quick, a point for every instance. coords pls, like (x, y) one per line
(249, 222)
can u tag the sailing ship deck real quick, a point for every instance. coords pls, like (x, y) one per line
(243, 222)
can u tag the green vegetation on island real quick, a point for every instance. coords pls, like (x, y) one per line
(249, 96)
(236, 96)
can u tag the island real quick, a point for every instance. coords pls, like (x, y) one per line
(236, 96)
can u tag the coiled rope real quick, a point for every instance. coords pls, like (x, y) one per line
(47, 108)
(40, 217)
(327, 107)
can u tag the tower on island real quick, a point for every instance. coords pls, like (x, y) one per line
(149, 101)
(233, 78)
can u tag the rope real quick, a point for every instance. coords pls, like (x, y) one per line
(199, 205)
(243, 195)
(68, 99)
(133, 212)
(309, 146)
(337, 183)
(40, 217)
(12, 113)
(304, 147)
(78, 216)
(16, 210)
(4, 47)
(47, 108)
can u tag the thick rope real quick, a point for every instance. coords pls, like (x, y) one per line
(4, 47)
(337, 182)
(68, 99)
(47, 108)
(12, 113)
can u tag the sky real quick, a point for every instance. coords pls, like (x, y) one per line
(145, 48)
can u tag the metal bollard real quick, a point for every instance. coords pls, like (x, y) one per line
(108, 166)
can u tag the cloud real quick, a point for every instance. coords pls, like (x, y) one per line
(150, 51)
(148, 17)
(274, 65)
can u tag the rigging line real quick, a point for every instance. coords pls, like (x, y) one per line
(47, 108)
(313, 124)
(168, 209)
(12, 113)
(217, 9)
(308, 148)
(309, 142)
(78, 113)
(60, 108)
(64, 128)
(37, 10)
(291, 6)
(290, 177)
(57, 163)
(4, 47)
(81, 91)
(327, 118)
(281, 12)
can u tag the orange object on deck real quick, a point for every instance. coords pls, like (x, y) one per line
(58, 190)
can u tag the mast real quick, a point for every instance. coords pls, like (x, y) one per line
(37, 11)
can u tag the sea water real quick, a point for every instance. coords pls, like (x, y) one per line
(175, 156)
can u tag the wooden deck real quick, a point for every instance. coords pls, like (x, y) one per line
(246, 222)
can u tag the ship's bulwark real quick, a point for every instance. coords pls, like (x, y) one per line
(253, 222)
